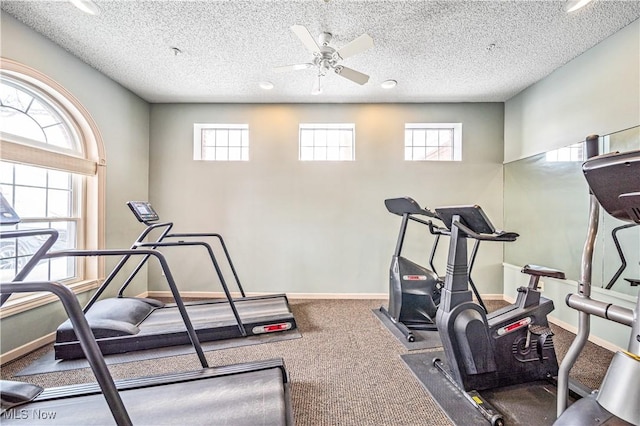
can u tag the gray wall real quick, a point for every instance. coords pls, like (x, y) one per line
(123, 120)
(319, 227)
(598, 92)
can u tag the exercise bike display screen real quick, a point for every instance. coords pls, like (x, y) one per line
(473, 216)
(143, 211)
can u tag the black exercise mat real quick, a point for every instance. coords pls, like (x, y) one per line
(47, 363)
(423, 339)
(525, 404)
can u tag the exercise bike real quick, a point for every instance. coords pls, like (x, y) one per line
(507, 347)
(414, 290)
(614, 183)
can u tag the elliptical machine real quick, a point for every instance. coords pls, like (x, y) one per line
(414, 290)
(509, 346)
(614, 183)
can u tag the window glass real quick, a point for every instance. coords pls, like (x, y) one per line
(221, 142)
(37, 193)
(433, 142)
(28, 118)
(327, 142)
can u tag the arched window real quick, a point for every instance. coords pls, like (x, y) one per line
(52, 173)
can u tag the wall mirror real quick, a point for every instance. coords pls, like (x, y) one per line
(546, 201)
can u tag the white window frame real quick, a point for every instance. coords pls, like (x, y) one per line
(199, 142)
(320, 149)
(456, 129)
(88, 162)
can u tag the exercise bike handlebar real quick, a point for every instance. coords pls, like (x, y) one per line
(498, 236)
(438, 230)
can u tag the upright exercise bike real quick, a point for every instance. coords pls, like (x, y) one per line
(510, 346)
(414, 290)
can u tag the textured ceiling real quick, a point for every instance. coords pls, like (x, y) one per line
(438, 51)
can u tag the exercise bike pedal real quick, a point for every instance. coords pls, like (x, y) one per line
(540, 330)
(543, 332)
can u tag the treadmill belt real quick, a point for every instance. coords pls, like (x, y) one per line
(249, 398)
(212, 321)
(214, 315)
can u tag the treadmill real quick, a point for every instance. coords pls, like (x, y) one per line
(254, 393)
(124, 324)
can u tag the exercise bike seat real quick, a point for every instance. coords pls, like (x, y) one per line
(542, 271)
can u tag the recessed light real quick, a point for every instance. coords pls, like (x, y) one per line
(388, 84)
(266, 85)
(573, 5)
(87, 6)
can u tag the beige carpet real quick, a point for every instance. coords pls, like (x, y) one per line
(345, 370)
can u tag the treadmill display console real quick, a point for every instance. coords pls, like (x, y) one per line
(143, 211)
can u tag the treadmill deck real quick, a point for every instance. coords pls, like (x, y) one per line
(212, 320)
(253, 395)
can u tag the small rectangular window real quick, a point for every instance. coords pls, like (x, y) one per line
(221, 142)
(433, 141)
(573, 152)
(327, 142)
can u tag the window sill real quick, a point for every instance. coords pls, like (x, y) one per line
(23, 304)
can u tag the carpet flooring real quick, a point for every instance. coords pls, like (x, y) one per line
(345, 370)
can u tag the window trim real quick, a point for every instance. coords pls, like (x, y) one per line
(457, 138)
(93, 166)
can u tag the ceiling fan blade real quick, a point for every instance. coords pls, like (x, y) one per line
(353, 75)
(317, 85)
(285, 68)
(356, 46)
(306, 38)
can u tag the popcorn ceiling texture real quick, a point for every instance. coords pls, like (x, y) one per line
(436, 50)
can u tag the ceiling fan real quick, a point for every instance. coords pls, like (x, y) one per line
(327, 58)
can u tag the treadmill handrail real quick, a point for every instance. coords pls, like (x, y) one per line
(35, 258)
(195, 341)
(123, 261)
(223, 283)
(86, 338)
(222, 244)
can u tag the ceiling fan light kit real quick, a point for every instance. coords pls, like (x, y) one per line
(326, 58)
(573, 5)
(388, 84)
(87, 6)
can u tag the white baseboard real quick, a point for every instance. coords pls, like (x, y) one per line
(27, 348)
(357, 296)
(218, 295)
(593, 339)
